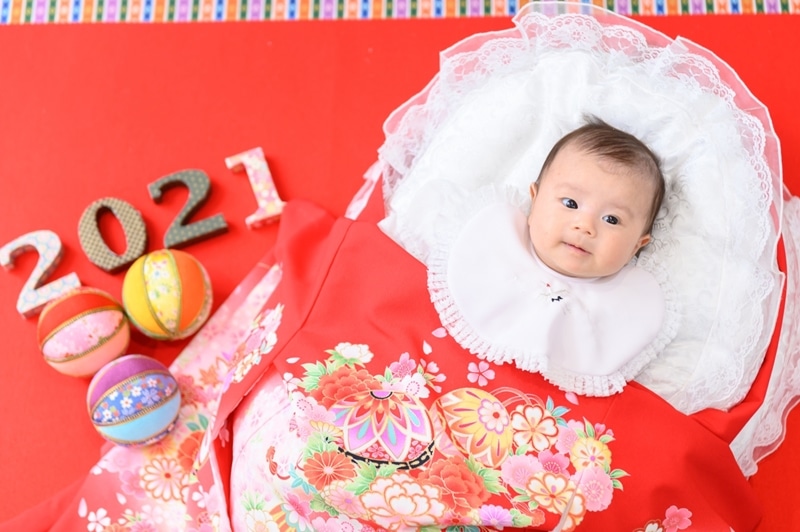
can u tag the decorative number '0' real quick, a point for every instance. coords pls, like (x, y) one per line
(95, 246)
(34, 296)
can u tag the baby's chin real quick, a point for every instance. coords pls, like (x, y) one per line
(577, 272)
(575, 263)
(563, 269)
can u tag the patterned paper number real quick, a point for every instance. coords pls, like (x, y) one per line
(34, 296)
(270, 205)
(180, 233)
(95, 246)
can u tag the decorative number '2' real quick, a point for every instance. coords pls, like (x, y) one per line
(180, 233)
(34, 296)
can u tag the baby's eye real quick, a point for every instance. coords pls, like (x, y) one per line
(569, 203)
(611, 219)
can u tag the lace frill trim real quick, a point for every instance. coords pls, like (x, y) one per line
(451, 221)
(766, 430)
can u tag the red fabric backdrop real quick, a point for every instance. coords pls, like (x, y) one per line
(93, 111)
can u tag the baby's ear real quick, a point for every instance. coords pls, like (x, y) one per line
(534, 189)
(643, 241)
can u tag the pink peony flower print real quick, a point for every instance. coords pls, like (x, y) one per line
(596, 487)
(566, 437)
(554, 462)
(517, 470)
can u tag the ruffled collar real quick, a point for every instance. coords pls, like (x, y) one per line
(508, 306)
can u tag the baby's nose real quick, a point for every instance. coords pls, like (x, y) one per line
(584, 224)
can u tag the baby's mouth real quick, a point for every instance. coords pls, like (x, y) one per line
(576, 248)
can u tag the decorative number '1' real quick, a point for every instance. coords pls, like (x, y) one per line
(270, 205)
(34, 296)
(180, 233)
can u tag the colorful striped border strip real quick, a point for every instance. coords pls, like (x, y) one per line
(83, 11)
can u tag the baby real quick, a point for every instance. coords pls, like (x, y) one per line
(594, 202)
(557, 292)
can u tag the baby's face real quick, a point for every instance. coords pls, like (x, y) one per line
(587, 215)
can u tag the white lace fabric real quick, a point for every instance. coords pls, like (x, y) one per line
(765, 430)
(502, 99)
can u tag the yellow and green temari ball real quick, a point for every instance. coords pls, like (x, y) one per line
(167, 294)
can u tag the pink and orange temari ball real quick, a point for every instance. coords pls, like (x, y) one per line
(133, 400)
(82, 331)
(167, 294)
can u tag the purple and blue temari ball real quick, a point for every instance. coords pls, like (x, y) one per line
(133, 400)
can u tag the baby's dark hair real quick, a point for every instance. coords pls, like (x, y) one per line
(617, 146)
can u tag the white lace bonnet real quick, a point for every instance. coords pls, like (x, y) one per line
(502, 99)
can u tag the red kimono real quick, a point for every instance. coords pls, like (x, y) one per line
(378, 402)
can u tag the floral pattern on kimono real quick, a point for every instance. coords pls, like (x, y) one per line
(390, 448)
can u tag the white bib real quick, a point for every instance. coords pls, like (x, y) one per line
(498, 300)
